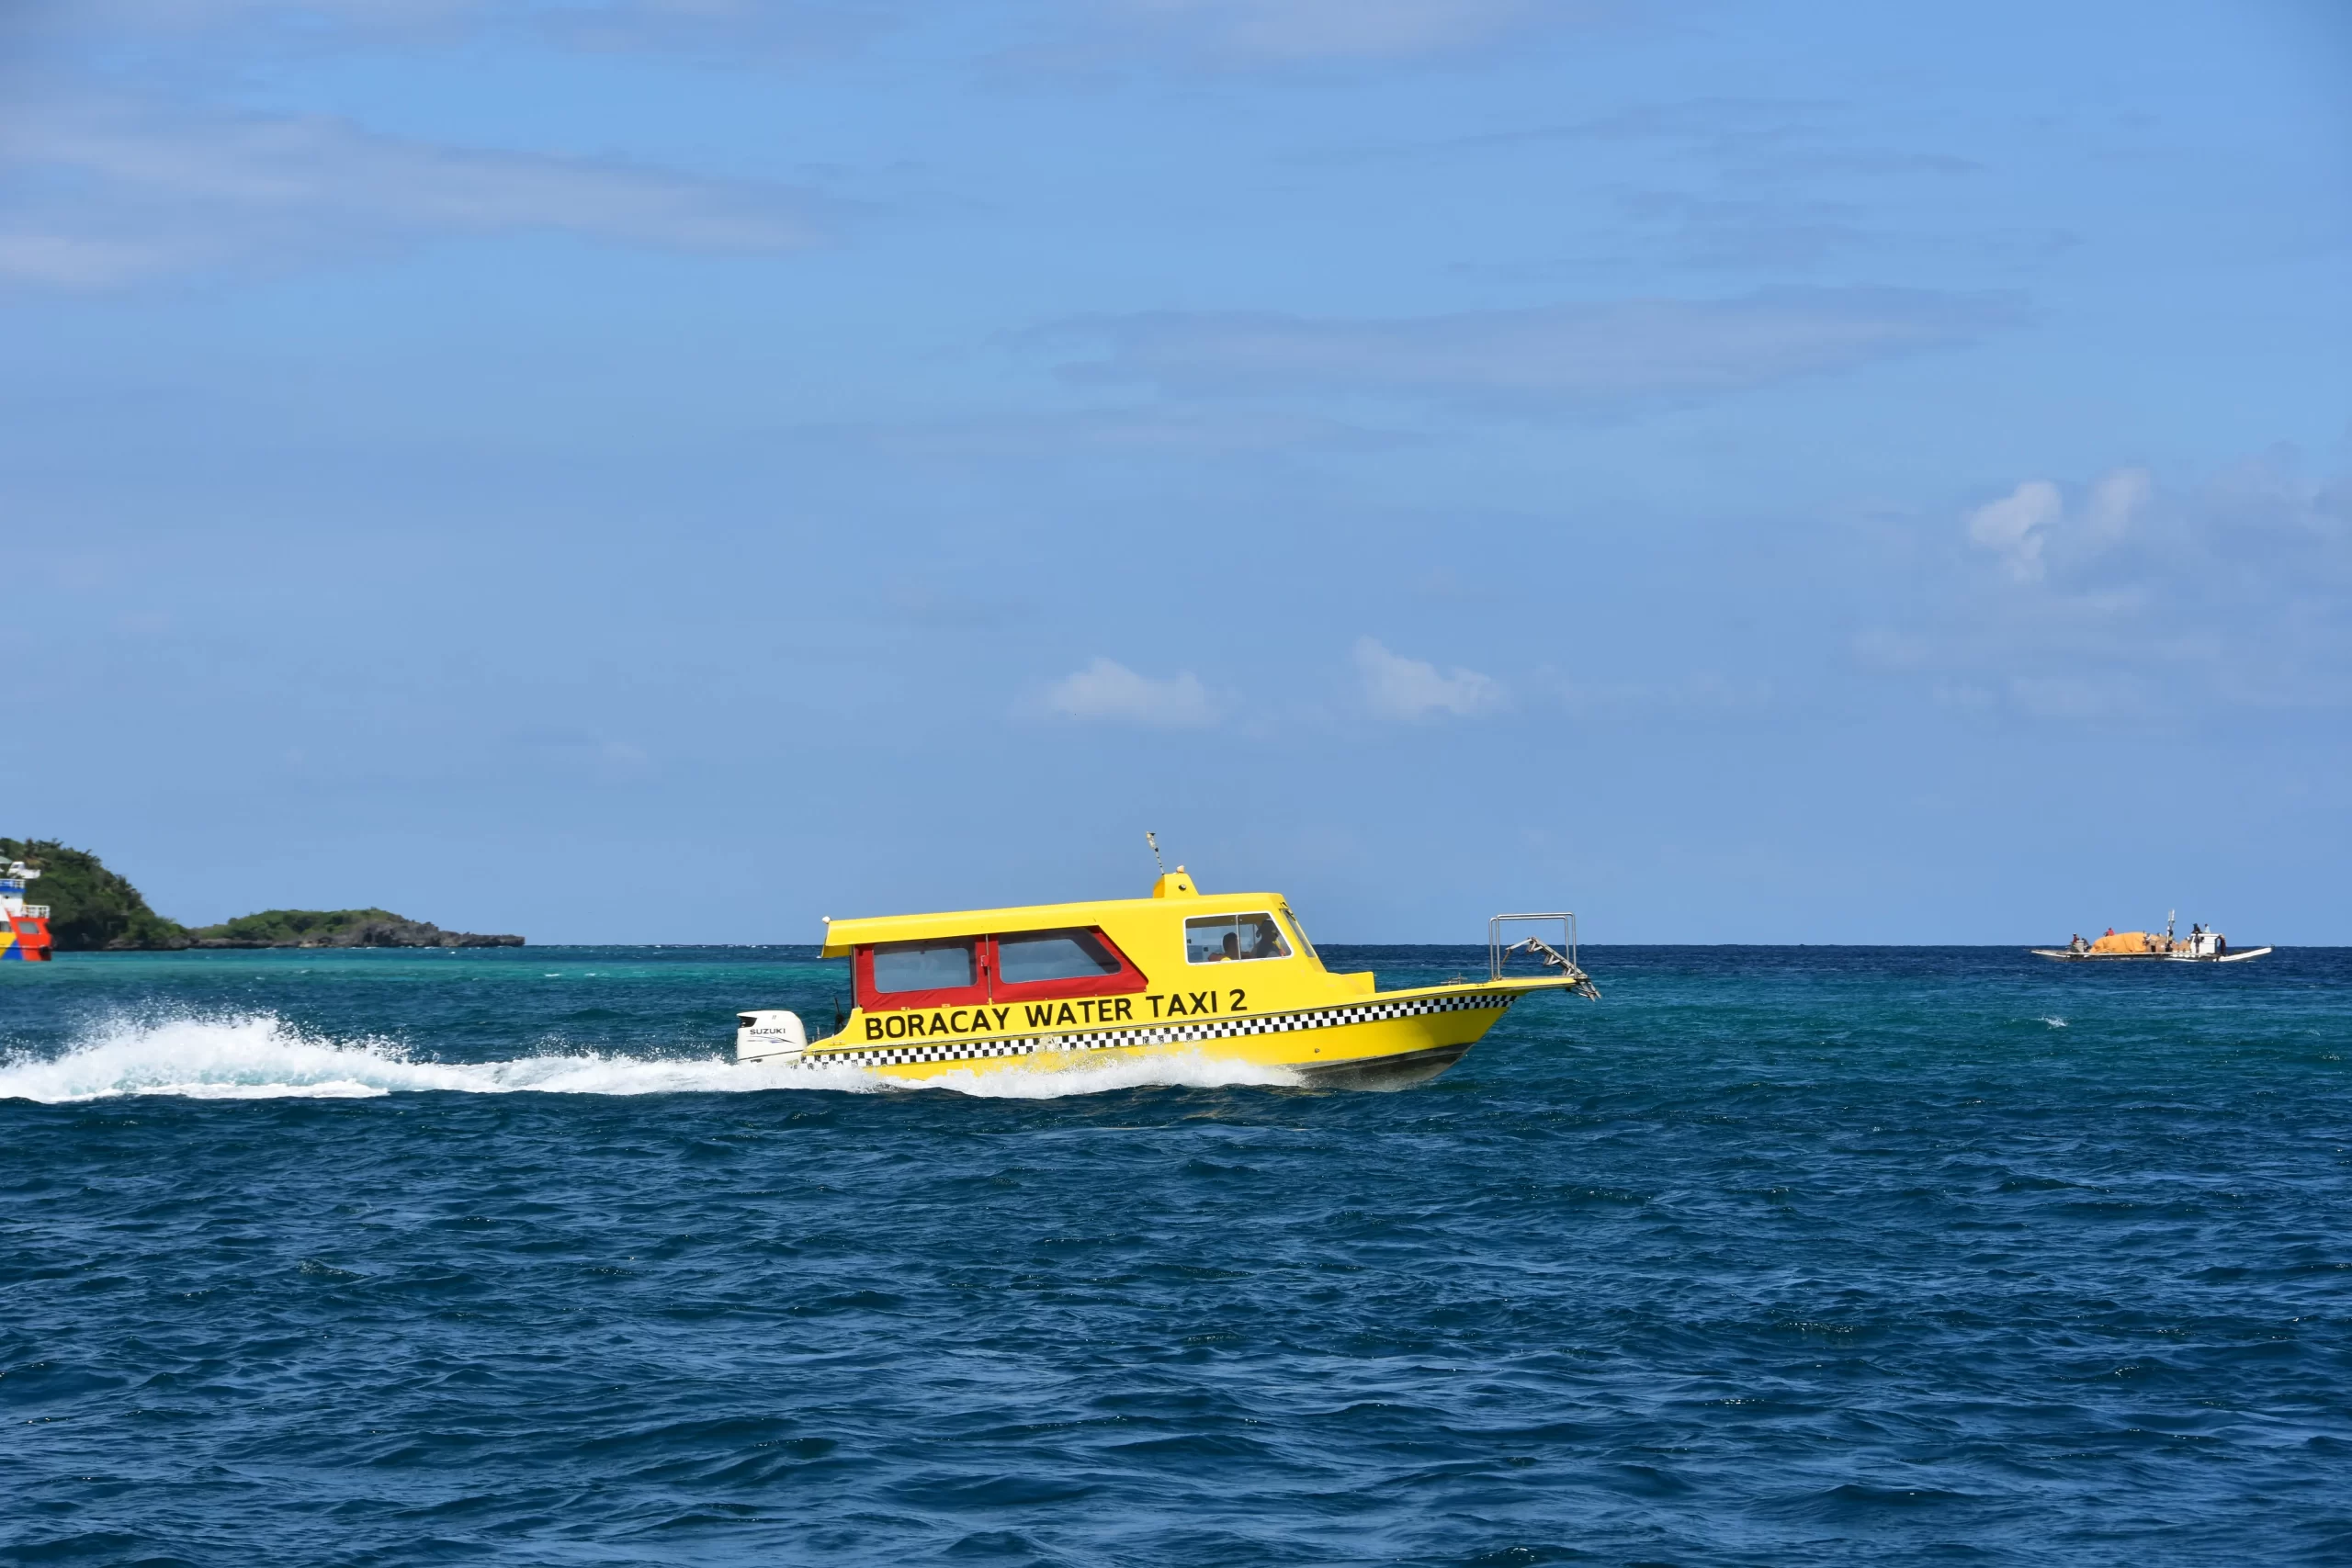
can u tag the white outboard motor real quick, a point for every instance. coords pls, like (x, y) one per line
(768, 1036)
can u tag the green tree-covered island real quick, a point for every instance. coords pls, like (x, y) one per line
(92, 909)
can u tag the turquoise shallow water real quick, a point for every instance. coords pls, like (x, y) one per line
(1773, 1255)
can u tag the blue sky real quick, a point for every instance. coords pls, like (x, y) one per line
(670, 470)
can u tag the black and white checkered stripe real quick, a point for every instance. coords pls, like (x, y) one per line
(1159, 1034)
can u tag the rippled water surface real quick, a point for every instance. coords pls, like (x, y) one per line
(1772, 1255)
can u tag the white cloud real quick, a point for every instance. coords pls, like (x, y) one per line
(69, 261)
(1107, 689)
(1605, 352)
(2023, 525)
(2135, 604)
(1228, 34)
(2115, 501)
(1279, 32)
(106, 193)
(2012, 527)
(1397, 687)
(740, 27)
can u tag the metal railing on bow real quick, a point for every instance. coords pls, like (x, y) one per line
(1562, 957)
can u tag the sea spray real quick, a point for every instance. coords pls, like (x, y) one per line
(260, 1055)
(1101, 1072)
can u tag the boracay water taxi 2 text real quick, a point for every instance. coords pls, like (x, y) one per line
(1229, 976)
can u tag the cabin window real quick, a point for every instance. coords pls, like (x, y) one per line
(1220, 939)
(944, 973)
(1053, 955)
(1022, 966)
(1077, 962)
(923, 966)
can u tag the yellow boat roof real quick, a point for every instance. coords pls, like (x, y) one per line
(1111, 914)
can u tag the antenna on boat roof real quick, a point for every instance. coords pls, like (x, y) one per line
(1153, 839)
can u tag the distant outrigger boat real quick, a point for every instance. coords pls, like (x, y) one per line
(1229, 976)
(2201, 945)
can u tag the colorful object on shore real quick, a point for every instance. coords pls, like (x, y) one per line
(27, 936)
(1226, 976)
(2201, 945)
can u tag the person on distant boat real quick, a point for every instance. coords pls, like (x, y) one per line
(2111, 930)
(2078, 944)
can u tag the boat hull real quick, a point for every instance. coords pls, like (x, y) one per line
(1384, 1039)
(2063, 956)
(1402, 1071)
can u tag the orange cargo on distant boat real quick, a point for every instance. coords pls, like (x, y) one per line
(2121, 943)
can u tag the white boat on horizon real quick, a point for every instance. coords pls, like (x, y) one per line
(2201, 945)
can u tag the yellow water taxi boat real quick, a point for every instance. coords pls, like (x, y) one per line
(1229, 976)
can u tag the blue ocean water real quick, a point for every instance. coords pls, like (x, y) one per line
(1772, 1255)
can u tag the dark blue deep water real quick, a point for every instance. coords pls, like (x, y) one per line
(1772, 1255)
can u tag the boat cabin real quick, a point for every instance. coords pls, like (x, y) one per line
(1123, 960)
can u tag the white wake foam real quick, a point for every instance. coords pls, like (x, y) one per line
(1056, 1075)
(261, 1057)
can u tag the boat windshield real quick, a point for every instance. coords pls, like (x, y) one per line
(1299, 929)
(1216, 939)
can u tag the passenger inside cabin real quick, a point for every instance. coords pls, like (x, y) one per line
(1231, 939)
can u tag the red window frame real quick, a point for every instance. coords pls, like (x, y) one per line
(1129, 979)
(987, 988)
(872, 1001)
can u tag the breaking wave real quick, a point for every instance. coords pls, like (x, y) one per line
(262, 1057)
